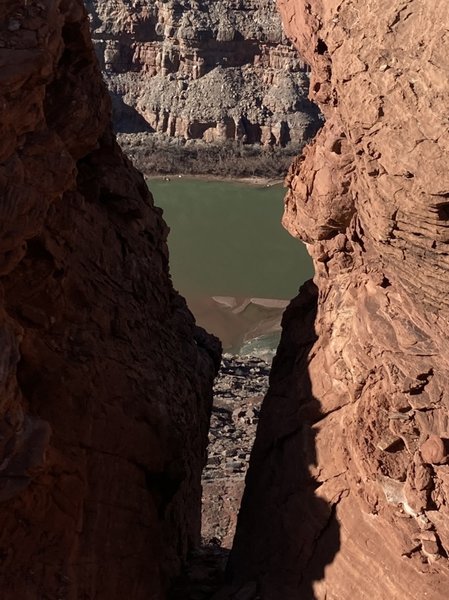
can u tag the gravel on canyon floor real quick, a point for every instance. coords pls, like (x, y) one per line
(238, 393)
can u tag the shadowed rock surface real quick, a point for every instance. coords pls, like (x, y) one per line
(209, 72)
(105, 381)
(347, 494)
(238, 392)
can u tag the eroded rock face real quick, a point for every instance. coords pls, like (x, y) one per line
(348, 488)
(203, 70)
(105, 380)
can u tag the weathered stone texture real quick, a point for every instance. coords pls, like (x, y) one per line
(348, 489)
(203, 70)
(105, 382)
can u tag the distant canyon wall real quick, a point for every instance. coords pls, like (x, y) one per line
(105, 381)
(203, 70)
(348, 490)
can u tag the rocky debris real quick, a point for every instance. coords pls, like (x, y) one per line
(208, 71)
(238, 392)
(203, 574)
(105, 381)
(347, 492)
(434, 451)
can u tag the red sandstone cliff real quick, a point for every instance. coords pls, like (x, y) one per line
(104, 378)
(348, 490)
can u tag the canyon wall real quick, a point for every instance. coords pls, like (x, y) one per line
(210, 71)
(105, 381)
(348, 490)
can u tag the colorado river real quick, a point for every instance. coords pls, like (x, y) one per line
(231, 258)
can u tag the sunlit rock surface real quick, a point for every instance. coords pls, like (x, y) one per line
(348, 488)
(209, 70)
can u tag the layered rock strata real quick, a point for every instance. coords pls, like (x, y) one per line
(203, 70)
(105, 381)
(348, 489)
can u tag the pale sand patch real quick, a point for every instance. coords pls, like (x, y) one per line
(236, 320)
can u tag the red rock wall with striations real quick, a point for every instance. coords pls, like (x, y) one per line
(348, 490)
(105, 381)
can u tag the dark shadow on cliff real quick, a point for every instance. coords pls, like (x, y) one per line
(286, 534)
(126, 119)
(203, 574)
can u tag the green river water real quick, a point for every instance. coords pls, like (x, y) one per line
(230, 256)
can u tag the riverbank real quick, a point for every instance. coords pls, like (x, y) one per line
(245, 326)
(229, 160)
(250, 181)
